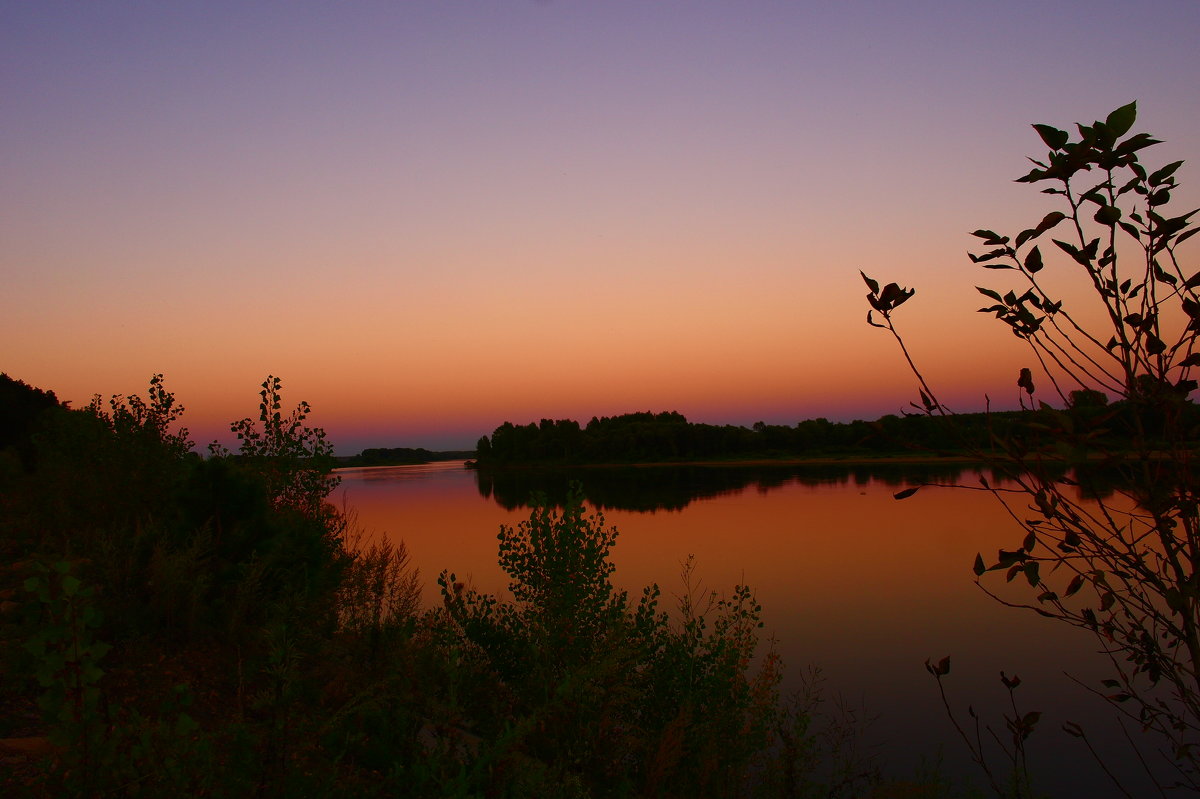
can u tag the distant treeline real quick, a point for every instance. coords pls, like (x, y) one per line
(401, 456)
(669, 437)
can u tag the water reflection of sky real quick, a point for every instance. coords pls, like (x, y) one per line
(851, 580)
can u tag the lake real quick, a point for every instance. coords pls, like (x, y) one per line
(852, 581)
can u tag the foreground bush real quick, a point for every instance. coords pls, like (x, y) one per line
(213, 627)
(612, 695)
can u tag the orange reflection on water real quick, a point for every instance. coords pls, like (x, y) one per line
(851, 580)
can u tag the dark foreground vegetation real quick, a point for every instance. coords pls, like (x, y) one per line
(1124, 567)
(182, 626)
(669, 437)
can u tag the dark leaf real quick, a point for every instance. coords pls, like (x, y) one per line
(1133, 183)
(1131, 230)
(1031, 573)
(1108, 215)
(1050, 220)
(906, 493)
(990, 237)
(871, 284)
(1007, 558)
(1053, 137)
(1161, 276)
(1137, 142)
(991, 255)
(1071, 250)
(1025, 380)
(1033, 261)
(1120, 121)
(893, 296)
(1159, 175)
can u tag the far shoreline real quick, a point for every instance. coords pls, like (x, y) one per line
(825, 460)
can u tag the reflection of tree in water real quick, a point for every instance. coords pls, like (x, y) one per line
(654, 488)
(1101, 480)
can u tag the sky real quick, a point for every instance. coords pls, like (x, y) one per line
(429, 218)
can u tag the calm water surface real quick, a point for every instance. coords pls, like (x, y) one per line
(853, 582)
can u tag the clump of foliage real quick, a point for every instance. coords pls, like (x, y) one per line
(149, 576)
(613, 696)
(1124, 566)
(293, 459)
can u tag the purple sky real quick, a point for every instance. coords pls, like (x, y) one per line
(432, 217)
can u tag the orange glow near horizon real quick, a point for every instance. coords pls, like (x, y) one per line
(446, 218)
(443, 380)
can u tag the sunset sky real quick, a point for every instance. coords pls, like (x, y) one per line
(432, 217)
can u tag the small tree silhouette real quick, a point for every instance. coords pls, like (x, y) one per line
(294, 459)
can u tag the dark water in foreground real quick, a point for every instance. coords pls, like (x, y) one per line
(853, 582)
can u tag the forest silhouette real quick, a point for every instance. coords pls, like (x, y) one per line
(669, 437)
